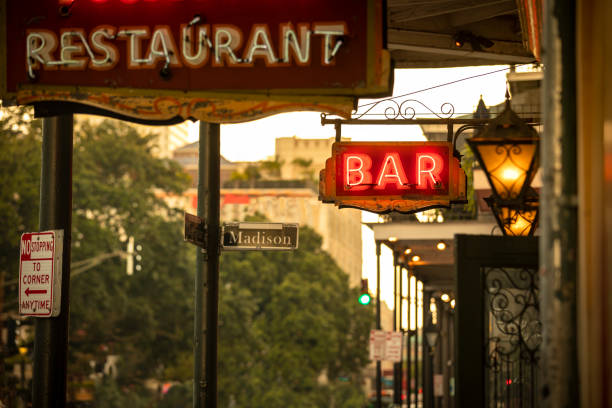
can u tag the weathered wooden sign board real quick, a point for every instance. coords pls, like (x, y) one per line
(219, 60)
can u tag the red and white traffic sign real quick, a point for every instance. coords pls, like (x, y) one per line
(385, 345)
(40, 273)
(377, 344)
(393, 349)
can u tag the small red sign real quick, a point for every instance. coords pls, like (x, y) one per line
(382, 177)
(40, 273)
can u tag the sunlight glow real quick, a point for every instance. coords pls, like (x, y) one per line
(510, 174)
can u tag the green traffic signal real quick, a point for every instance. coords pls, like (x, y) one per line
(364, 299)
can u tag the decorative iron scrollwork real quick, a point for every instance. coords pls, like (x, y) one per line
(514, 334)
(393, 109)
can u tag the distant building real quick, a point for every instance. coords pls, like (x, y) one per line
(167, 138)
(187, 157)
(341, 230)
(302, 157)
(292, 197)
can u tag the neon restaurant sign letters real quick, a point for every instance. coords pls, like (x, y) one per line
(110, 53)
(382, 177)
(222, 45)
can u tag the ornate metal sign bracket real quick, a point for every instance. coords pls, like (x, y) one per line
(403, 113)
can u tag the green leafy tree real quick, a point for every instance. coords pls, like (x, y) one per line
(305, 166)
(146, 318)
(20, 141)
(250, 174)
(109, 394)
(291, 328)
(467, 163)
(178, 395)
(272, 168)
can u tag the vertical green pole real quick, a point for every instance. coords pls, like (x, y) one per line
(397, 387)
(212, 264)
(400, 373)
(207, 276)
(378, 327)
(199, 362)
(51, 337)
(418, 339)
(409, 340)
(426, 352)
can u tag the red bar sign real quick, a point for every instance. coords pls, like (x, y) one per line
(382, 177)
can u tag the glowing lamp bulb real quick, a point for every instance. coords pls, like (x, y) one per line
(441, 246)
(452, 303)
(392, 239)
(365, 299)
(408, 251)
(510, 174)
(518, 226)
(445, 298)
(416, 258)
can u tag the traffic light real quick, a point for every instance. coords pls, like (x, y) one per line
(133, 257)
(11, 341)
(364, 295)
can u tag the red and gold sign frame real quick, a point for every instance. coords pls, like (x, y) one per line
(215, 60)
(401, 176)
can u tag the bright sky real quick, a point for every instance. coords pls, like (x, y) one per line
(254, 141)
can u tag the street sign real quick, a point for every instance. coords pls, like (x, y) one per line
(40, 273)
(438, 385)
(190, 58)
(385, 345)
(195, 230)
(260, 236)
(393, 347)
(378, 339)
(398, 176)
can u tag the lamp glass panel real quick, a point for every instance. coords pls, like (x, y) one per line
(507, 166)
(432, 338)
(518, 222)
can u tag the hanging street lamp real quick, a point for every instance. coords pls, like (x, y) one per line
(516, 219)
(507, 149)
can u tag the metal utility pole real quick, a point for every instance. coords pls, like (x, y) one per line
(397, 324)
(378, 327)
(400, 373)
(207, 273)
(51, 338)
(558, 294)
(409, 339)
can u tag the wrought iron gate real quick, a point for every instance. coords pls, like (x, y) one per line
(512, 336)
(498, 329)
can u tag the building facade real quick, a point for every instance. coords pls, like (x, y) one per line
(290, 198)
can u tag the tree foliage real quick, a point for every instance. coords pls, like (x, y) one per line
(20, 141)
(305, 166)
(272, 168)
(290, 328)
(145, 318)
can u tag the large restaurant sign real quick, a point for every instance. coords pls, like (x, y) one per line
(381, 177)
(219, 60)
